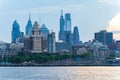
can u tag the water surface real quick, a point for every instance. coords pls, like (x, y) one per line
(59, 73)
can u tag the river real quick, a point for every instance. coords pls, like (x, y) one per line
(60, 73)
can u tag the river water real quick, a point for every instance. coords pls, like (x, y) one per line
(60, 73)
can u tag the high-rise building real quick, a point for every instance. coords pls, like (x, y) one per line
(62, 25)
(104, 37)
(67, 22)
(28, 28)
(62, 22)
(65, 28)
(27, 44)
(51, 43)
(44, 31)
(32, 43)
(68, 37)
(76, 36)
(21, 37)
(36, 38)
(15, 31)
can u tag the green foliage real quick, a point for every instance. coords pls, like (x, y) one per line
(45, 57)
(111, 56)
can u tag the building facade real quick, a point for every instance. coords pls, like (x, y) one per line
(15, 31)
(33, 43)
(28, 28)
(44, 31)
(76, 37)
(67, 22)
(104, 37)
(51, 43)
(65, 28)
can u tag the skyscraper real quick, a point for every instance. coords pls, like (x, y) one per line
(28, 28)
(65, 28)
(104, 37)
(62, 25)
(62, 22)
(36, 38)
(51, 43)
(44, 31)
(76, 36)
(21, 37)
(67, 22)
(15, 31)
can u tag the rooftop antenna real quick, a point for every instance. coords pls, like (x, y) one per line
(61, 12)
(29, 16)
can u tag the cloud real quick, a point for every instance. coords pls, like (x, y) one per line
(114, 26)
(112, 2)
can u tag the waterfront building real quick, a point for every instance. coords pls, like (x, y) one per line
(44, 31)
(44, 45)
(61, 46)
(51, 43)
(36, 38)
(104, 37)
(27, 44)
(16, 47)
(33, 43)
(15, 31)
(76, 37)
(28, 28)
(118, 45)
(81, 50)
(99, 50)
(2, 47)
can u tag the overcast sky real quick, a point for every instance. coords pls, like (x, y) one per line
(89, 15)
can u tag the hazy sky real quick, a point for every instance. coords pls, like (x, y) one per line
(89, 15)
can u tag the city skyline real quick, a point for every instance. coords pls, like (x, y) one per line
(89, 16)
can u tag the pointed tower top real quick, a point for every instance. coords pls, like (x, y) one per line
(29, 16)
(61, 12)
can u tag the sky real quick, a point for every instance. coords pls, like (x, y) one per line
(89, 15)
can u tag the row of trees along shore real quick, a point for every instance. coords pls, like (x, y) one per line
(46, 57)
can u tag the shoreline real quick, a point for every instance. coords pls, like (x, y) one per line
(58, 65)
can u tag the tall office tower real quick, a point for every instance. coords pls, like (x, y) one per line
(76, 36)
(51, 43)
(15, 31)
(104, 37)
(62, 25)
(21, 37)
(28, 28)
(44, 31)
(36, 39)
(67, 22)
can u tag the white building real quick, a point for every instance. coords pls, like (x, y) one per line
(36, 39)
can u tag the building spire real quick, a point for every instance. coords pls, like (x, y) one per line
(61, 12)
(29, 16)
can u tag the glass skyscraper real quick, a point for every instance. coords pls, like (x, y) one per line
(51, 43)
(76, 36)
(104, 37)
(15, 31)
(62, 25)
(67, 22)
(44, 31)
(28, 27)
(65, 28)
